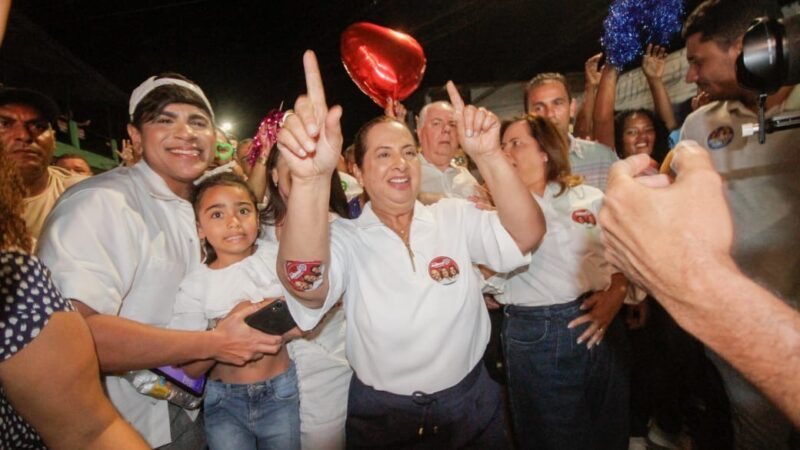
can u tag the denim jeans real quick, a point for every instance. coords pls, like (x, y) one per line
(468, 415)
(262, 415)
(564, 396)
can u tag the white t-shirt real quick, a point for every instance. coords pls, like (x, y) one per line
(406, 331)
(453, 182)
(570, 259)
(121, 242)
(207, 294)
(762, 184)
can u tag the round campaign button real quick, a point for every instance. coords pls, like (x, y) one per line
(720, 137)
(443, 270)
(584, 217)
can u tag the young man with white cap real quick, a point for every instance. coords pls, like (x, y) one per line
(120, 243)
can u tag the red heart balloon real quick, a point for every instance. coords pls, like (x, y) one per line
(382, 62)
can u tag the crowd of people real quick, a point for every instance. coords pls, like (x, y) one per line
(629, 308)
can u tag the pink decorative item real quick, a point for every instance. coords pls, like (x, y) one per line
(268, 131)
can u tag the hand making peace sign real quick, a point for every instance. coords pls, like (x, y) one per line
(311, 137)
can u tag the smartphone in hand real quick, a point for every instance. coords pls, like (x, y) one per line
(272, 319)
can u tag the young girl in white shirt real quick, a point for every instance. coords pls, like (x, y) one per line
(255, 405)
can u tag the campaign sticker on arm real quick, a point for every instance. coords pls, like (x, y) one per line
(304, 275)
(443, 270)
(584, 217)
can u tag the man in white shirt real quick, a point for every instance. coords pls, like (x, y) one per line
(547, 94)
(438, 145)
(761, 185)
(119, 245)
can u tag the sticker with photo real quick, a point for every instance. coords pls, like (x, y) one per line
(443, 270)
(584, 217)
(720, 137)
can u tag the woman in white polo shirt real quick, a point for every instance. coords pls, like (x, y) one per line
(564, 349)
(415, 342)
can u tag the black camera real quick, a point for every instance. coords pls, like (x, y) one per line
(770, 55)
(770, 59)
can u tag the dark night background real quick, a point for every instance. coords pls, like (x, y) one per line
(246, 54)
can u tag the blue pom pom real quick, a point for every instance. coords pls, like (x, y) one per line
(631, 24)
(665, 21)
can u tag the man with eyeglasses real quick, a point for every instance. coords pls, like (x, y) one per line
(28, 141)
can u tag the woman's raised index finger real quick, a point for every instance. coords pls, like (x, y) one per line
(315, 91)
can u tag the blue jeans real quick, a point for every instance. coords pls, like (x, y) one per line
(564, 396)
(262, 415)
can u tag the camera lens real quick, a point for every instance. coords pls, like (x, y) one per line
(770, 53)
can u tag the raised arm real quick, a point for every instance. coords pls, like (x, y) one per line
(258, 175)
(604, 106)
(653, 63)
(479, 136)
(311, 142)
(740, 320)
(584, 123)
(395, 109)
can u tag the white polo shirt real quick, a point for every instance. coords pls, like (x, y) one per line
(407, 332)
(762, 184)
(121, 242)
(453, 182)
(570, 259)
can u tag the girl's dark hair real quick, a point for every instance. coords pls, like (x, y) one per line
(220, 179)
(661, 143)
(156, 100)
(275, 211)
(360, 144)
(553, 143)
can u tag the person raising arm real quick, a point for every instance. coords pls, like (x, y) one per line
(701, 287)
(423, 328)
